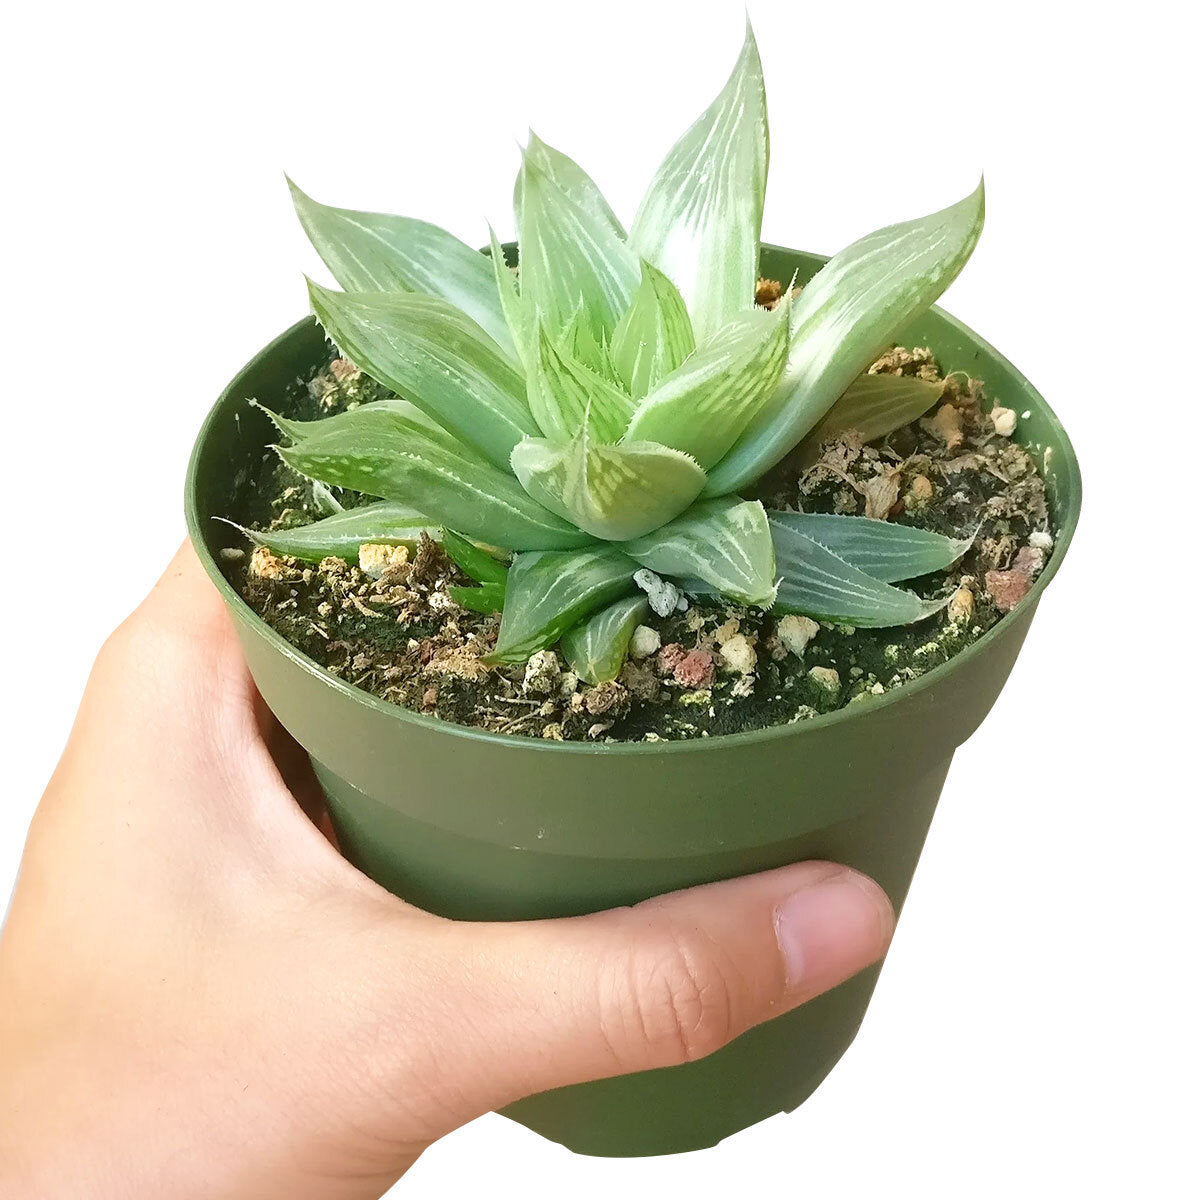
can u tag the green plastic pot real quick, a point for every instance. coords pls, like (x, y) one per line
(483, 826)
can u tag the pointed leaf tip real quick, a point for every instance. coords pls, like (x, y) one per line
(701, 217)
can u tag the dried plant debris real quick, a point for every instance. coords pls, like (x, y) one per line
(390, 626)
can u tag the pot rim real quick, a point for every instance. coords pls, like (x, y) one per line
(1063, 536)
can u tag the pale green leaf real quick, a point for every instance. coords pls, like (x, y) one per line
(654, 336)
(817, 583)
(596, 648)
(874, 406)
(702, 407)
(566, 174)
(433, 355)
(613, 492)
(548, 593)
(383, 450)
(701, 217)
(377, 252)
(563, 393)
(571, 260)
(882, 549)
(340, 535)
(515, 315)
(726, 544)
(472, 560)
(327, 503)
(845, 315)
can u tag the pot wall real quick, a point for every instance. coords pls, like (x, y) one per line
(486, 827)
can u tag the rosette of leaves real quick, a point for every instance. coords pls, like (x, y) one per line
(609, 405)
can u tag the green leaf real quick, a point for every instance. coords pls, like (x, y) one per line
(488, 598)
(327, 503)
(703, 406)
(655, 334)
(724, 543)
(571, 260)
(431, 354)
(510, 298)
(882, 549)
(376, 252)
(340, 535)
(567, 175)
(701, 217)
(472, 560)
(383, 449)
(613, 492)
(596, 648)
(563, 393)
(846, 314)
(874, 406)
(817, 583)
(549, 592)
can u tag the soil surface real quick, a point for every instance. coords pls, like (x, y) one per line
(390, 627)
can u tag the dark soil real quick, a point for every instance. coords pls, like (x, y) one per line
(717, 668)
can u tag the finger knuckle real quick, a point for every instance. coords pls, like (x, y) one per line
(681, 1000)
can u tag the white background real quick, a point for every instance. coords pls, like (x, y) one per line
(1033, 1031)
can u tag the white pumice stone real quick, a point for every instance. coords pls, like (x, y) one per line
(374, 559)
(739, 655)
(645, 642)
(542, 673)
(1004, 420)
(795, 632)
(663, 595)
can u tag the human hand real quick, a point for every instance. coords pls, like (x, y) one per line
(199, 997)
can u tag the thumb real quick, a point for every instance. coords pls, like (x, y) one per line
(548, 1003)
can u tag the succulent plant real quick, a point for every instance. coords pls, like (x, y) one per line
(606, 408)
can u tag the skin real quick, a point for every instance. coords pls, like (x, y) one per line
(199, 997)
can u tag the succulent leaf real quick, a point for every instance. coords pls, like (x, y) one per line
(654, 336)
(575, 183)
(563, 393)
(883, 550)
(377, 252)
(487, 598)
(612, 492)
(550, 592)
(472, 560)
(820, 584)
(874, 406)
(596, 648)
(382, 449)
(701, 218)
(702, 407)
(434, 356)
(725, 544)
(846, 314)
(571, 260)
(510, 297)
(340, 535)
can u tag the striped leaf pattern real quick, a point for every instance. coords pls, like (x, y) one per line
(816, 582)
(435, 356)
(340, 535)
(548, 593)
(612, 492)
(377, 252)
(382, 450)
(725, 544)
(701, 217)
(882, 549)
(846, 314)
(596, 648)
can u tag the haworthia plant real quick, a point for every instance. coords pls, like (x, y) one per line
(608, 407)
